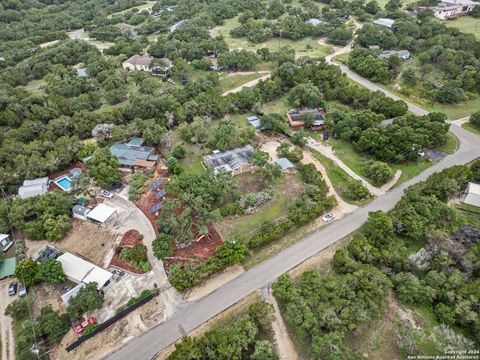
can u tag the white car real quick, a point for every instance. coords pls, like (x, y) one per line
(106, 194)
(328, 217)
(421, 153)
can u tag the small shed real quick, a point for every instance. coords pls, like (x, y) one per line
(284, 164)
(7, 267)
(101, 214)
(80, 212)
(472, 194)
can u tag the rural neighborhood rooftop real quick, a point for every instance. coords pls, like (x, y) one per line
(230, 160)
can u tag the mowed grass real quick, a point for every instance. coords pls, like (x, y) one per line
(357, 162)
(466, 24)
(472, 128)
(460, 110)
(451, 145)
(303, 47)
(232, 81)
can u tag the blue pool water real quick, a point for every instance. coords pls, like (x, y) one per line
(65, 183)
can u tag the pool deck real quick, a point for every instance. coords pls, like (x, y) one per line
(64, 173)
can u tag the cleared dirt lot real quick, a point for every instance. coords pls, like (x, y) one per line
(85, 239)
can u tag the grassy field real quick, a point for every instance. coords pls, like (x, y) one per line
(304, 47)
(148, 5)
(232, 81)
(466, 24)
(36, 87)
(273, 211)
(460, 110)
(337, 176)
(470, 127)
(451, 145)
(357, 162)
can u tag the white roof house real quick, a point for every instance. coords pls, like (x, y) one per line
(284, 164)
(81, 271)
(314, 22)
(5, 242)
(72, 293)
(101, 213)
(448, 9)
(385, 22)
(472, 194)
(138, 62)
(34, 187)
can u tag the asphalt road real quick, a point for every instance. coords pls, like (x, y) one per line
(196, 313)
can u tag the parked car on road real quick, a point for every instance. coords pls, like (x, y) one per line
(12, 288)
(106, 194)
(328, 217)
(22, 290)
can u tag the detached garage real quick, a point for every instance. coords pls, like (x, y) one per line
(101, 214)
(472, 194)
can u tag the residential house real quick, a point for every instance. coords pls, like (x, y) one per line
(34, 187)
(295, 118)
(101, 214)
(234, 161)
(402, 54)
(79, 271)
(448, 9)
(134, 154)
(138, 62)
(162, 68)
(472, 194)
(384, 22)
(5, 242)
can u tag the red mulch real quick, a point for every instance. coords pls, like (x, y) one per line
(200, 250)
(129, 240)
(53, 176)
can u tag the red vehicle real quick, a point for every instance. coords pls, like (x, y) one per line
(82, 324)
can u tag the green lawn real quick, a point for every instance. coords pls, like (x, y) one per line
(357, 162)
(466, 24)
(460, 110)
(451, 145)
(241, 227)
(232, 81)
(192, 162)
(470, 127)
(148, 5)
(337, 176)
(303, 47)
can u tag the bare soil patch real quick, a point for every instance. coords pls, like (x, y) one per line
(135, 324)
(85, 239)
(49, 294)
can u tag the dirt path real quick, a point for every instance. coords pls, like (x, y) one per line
(6, 331)
(328, 152)
(77, 35)
(388, 185)
(461, 121)
(342, 207)
(285, 347)
(248, 84)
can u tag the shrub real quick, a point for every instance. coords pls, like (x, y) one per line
(162, 246)
(379, 172)
(355, 190)
(89, 329)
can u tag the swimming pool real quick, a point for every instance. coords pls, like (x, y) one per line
(65, 183)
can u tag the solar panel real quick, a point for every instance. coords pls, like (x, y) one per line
(156, 184)
(153, 209)
(141, 155)
(160, 194)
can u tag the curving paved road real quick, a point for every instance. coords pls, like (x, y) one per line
(196, 313)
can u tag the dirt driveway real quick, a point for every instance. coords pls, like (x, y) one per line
(6, 331)
(131, 217)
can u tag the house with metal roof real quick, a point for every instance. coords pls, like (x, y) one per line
(235, 161)
(5, 242)
(81, 271)
(35, 187)
(314, 22)
(255, 122)
(295, 118)
(384, 22)
(134, 153)
(80, 212)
